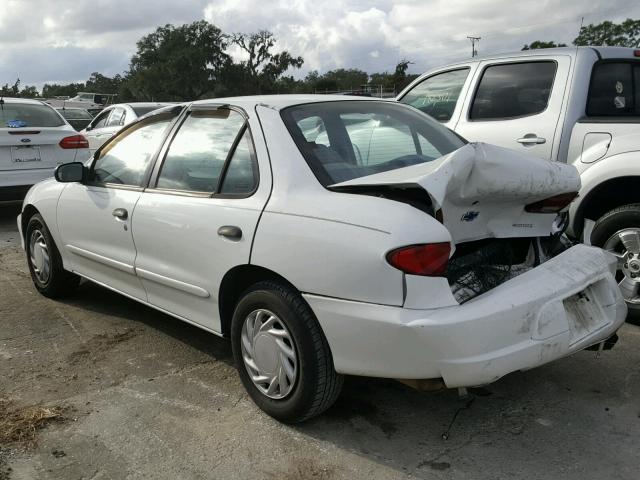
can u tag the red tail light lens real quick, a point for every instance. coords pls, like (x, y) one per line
(429, 259)
(551, 204)
(74, 141)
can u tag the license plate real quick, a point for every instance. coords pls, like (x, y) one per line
(25, 154)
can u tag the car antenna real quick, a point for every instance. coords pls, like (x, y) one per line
(2, 102)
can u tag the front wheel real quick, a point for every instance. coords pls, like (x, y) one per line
(282, 356)
(45, 263)
(618, 231)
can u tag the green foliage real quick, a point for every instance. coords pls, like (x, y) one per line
(178, 63)
(542, 44)
(14, 90)
(625, 34)
(68, 90)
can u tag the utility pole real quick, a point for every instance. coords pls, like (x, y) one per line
(474, 52)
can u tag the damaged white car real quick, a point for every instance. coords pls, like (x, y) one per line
(329, 236)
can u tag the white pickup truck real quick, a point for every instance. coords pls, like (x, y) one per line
(573, 105)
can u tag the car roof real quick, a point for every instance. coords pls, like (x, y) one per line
(281, 101)
(23, 100)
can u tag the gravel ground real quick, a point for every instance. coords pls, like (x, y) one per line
(147, 396)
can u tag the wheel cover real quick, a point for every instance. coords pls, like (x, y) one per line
(625, 245)
(39, 256)
(269, 354)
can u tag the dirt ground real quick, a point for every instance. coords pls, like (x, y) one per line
(146, 396)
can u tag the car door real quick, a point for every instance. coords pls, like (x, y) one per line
(114, 123)
(95, 132)
(94, 217)
(440, 94)
(198, 220)
(516, 104)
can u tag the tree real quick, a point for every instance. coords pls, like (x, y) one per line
(11, 90)
(542, 44)
(178, 63)
(99, 83)
(29, 91)
(625, 34)
(56, 90)
(263, 68)
(341, 79)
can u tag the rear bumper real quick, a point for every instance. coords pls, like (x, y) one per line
(16, 179)
(563, 306)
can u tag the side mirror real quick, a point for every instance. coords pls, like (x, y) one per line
(70, 172)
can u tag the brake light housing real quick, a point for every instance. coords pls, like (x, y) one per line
(74, 141)
(428, 259)
(554, 204)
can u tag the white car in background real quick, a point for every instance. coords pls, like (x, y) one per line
(34, 139)
(328, 235)
(113, 118)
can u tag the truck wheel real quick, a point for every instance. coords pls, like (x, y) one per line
(618, 231)
(282, 356)
(45, 263)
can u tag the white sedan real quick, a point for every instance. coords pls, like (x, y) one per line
(34, 139)
(329, 236)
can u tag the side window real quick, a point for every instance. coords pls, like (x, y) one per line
(116, 118)
(437, 95)
(241, 176)
(101, 120)
(126, 159)
(513, 90)
(199, 150)
(613, 88)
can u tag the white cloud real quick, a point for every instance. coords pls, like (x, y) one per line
(66, 40)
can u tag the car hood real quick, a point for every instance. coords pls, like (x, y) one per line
(482, 190)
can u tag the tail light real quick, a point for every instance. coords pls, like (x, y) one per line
(552, 204)
(74, 141)
(429, 259)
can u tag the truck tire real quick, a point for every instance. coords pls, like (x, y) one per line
(618, 231)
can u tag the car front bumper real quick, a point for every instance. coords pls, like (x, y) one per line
(560, 307)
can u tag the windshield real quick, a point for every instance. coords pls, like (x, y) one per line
(345, 140)
(75, 114)
(143, 110)
(17, 115)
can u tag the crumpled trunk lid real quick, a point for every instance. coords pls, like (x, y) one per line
(482, 190)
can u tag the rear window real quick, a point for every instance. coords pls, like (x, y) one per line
(614, 89)
(16, 115)
(345, 140)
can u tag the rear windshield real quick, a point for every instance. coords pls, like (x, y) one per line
(614, 89)
(75, 114)
(140, 111)
(16, 115)
(345, 140)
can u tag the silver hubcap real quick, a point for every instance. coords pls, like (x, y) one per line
(625, 245)
(269, 354)
(39, 256)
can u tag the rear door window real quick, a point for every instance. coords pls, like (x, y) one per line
(614, 89)
(513, 90)
(437, 95)
(101, 120)
(198, 152)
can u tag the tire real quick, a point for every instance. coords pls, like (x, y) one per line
(54, 281)
(315, 385)
(604, 235)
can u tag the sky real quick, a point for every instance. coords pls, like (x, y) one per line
(61, 41)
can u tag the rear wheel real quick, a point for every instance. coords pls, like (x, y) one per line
(282, 356)
(45, 263)
(618, 231)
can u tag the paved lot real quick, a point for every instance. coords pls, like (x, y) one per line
(152, 397)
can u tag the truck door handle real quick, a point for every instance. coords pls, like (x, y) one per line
(231, 232)
(531, 139)
(120, 213)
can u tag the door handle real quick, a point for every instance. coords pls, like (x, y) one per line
(120, 213)
(531, 139)
(231, 232)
